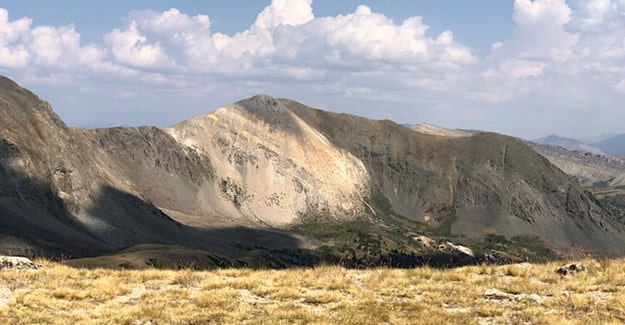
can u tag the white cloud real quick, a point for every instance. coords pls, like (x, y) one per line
(132, 48)
(46, 48)
(285, 13)
(595, 11)
(543, 46)
(285, 41)
(12, 53)
(541, 33)
(521, 69)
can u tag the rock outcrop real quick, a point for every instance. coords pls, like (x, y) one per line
(17, 263)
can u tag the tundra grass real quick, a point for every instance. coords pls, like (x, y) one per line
(533, 294)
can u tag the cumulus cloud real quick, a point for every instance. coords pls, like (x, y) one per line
(132, 48)
(595, 11)
(541, 30)
(540, 39)
(367, 36)
(13, 54)
(286, 42)
(47, 48)
(285, 13)
(286, 38)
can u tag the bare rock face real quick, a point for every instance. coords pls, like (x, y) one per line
(272, 166)
(17, 262)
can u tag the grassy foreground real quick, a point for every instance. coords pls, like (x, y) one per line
(532, 294)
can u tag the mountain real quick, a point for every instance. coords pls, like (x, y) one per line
(491, 183)
(569, 144)
(601, 174)
(596, 138)
(603, 144)
(70, 192)
(575, 157)
(272, 166)
(614, 145)
(591, 170)
(270, 181)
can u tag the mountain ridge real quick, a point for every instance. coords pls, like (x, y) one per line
(569, 144)
(613, 144)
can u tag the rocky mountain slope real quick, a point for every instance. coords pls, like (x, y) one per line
(587, 164)
(591, 170)
(491, 183)
(271, 179)
(603, 175)
(272, 166)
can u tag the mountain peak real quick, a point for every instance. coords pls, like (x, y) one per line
(270, 111)
(262, 104)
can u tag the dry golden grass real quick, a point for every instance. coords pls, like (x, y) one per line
(59, 294)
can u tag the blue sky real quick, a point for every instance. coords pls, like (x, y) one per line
(525, 68)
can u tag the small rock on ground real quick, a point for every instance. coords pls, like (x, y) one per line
(496, 294)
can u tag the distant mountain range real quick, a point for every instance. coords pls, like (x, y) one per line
(610, 145)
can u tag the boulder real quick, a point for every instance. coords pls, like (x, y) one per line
(17, 262)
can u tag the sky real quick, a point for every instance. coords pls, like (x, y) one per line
(526, 68)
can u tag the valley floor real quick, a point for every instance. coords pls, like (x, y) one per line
(519, 293)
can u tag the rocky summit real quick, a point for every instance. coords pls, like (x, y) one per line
(272, 182)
